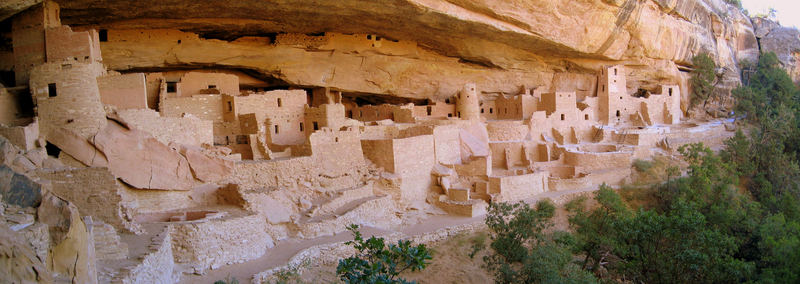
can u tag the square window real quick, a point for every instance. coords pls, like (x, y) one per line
(172, 87)
(51, 90)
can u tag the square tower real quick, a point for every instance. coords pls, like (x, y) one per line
(614, 98)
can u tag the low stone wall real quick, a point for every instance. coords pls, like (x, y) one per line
(157, 266)
(513, 188)
(183, 130)
(610, 177)
(211, 244)
(270, 173)
(24, 137)
(598, 160)
(376, 213)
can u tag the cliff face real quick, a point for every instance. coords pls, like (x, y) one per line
(783, 41)
(500, 45)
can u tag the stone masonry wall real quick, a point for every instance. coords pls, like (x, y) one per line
(75, 105)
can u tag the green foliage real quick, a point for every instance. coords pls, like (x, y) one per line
(780, 247)
(703, 78)
(376, 262)
(642, 165)
(696, 231)
(523, 253)
(595, 230)
(289, 275)
(228, 280)
(478, 243)
(734, 216)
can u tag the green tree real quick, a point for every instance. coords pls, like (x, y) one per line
(376, 262)
(523, 253)
(595, 230)
(780, 246)
(703, 78)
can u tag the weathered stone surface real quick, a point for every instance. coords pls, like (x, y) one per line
(72, 248)
(474, 142)
(18, 189)
(77, 147)
(141, 161)
(205, 167)
(10, 7)
(783, 41)
(18, 261)
(498, 45)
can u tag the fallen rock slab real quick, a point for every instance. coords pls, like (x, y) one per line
(142, 161)
(205, 167)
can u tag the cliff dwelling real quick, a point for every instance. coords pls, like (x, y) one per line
(138, 150)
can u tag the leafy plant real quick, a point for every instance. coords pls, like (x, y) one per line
(523, 253)
(376, 262)
(228, 280)
(642, 165)
(703, 78)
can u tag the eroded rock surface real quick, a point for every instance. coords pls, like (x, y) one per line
(141, 161)
(498, 45)
(783, 41)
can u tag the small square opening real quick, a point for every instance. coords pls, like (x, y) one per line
(103, 34)
(172, 87)
(51, 90)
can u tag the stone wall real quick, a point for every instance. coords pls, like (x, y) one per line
(61, 44)
(157, 266)
(598, 160)
(337, 153)
(269, 173)
(24, 137)
(213, 243)
(66, 95)
(28, 40)
(514, 188)
(95, 191)
(188, 130)
(127, 91)
(447, 144)
(193, 83)
(14, 107)
(207, 107)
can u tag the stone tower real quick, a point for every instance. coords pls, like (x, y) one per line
(612, 91)
(468, 103)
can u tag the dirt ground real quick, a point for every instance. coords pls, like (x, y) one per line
(451, 261)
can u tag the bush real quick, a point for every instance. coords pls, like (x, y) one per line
(703, 77)
(642, 165)
(523, 253)
(377, 263)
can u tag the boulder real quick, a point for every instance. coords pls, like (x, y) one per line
(142, 161)
(77, 147)
(72, 251)
(205, 167)
(17, 189)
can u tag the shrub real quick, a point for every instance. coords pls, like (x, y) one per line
(376, 262)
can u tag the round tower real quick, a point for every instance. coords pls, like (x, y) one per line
(468, 103)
